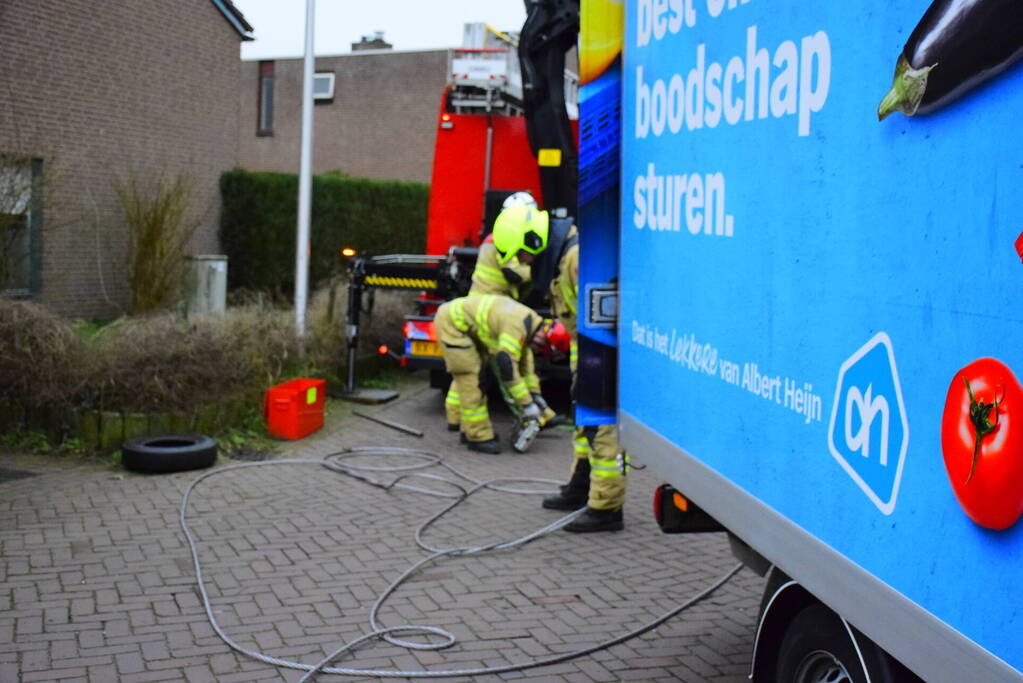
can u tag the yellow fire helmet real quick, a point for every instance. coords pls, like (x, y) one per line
(520, 227)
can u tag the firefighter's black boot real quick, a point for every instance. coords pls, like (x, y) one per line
(574, 494)
(491, 447)
(596, 520)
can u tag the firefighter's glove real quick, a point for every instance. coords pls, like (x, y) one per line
(548, 417)
(532, 412)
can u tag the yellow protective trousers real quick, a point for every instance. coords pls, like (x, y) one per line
(609, 465)
(491, 277)
(470, 331)
(599, 445)
(453, 400)
(465, 403)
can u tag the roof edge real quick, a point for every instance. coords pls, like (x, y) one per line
(357, 53)
(235, 18)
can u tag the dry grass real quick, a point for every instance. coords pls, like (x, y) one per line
(41, 357)
(160, 362)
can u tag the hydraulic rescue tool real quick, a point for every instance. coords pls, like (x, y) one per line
(525, 432)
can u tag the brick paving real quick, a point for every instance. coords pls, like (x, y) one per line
(97, 583)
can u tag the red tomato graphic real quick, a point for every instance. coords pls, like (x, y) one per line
(982, 441)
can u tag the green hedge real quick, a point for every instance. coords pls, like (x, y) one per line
(258, 223)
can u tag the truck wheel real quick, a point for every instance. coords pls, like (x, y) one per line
(819, 648)
(168, 453)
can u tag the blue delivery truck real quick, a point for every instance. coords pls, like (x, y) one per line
(801, 260)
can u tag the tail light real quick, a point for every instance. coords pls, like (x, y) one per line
(677, 514)
(658, 496)
(421, 330)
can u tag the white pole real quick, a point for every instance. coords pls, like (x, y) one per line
(305, 179)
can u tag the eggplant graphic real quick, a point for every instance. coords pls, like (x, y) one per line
(957, 45)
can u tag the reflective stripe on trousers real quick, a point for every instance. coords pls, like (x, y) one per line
(473, 415)
(608, 467)
(453, 405)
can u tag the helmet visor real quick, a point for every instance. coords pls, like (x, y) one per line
(532, 241)
(534, 234)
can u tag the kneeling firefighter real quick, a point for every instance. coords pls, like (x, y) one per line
(469, 330)
(599, 464)
(502, 267)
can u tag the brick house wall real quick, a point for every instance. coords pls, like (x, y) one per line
(382, 122)
(110, 90)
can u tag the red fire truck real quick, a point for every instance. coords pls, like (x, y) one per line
(507, 122)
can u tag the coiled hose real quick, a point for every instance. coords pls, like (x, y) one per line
(333, 461)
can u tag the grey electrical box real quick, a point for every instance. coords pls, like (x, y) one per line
(205, 284)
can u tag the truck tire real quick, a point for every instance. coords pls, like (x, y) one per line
(168, 453)
(819, 647)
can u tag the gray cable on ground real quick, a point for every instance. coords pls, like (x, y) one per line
(389, 634)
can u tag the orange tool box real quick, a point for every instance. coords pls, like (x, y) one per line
(294, 409)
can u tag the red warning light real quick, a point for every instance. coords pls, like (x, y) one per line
(383, 350)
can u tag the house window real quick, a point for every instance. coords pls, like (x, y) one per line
(20, 226)
(265, 126)
(323, 87)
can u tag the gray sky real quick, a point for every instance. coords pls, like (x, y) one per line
(407, 24)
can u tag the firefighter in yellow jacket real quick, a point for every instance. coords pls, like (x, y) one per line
(599, 464)
(469, 330)
(502, 266)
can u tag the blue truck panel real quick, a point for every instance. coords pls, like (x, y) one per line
(599, 158)
(806, 282)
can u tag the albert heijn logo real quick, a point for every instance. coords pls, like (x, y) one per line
(869, 433)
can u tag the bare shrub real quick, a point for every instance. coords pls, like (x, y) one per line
(325, 337)
(161, 223)
(42, 360)
(162, 363)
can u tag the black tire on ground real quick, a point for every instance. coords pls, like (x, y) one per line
(817, 647)
(168, 453)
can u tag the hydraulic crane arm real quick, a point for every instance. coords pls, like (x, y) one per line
(550, 30)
